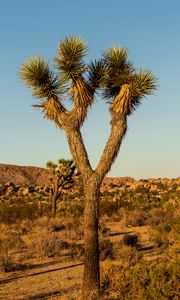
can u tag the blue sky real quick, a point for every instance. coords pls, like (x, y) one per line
(148, 28)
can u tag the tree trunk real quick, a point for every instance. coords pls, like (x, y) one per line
(91, 283)
(54, 199)
(54, 206)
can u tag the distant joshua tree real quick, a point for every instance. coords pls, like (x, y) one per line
(61, 178)
(123, 88)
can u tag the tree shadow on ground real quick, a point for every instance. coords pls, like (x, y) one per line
(52, 293)
(7, 280)
(120, 233)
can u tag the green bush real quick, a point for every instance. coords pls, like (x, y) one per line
(152, 281)
(146, 280)
(165, 234)
(108, 207)
(21, 209)
(10, 213)
(131, 240)
(70, 210)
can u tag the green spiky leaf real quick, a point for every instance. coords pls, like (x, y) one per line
(118, 70)
(97, 74)
(69, 59)
(142, 83)
(35, 73)
(115, 57)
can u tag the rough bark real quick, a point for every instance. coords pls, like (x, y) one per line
(118, 130)
(79, 152)
(54, 206)
(92, 181)
(91, 283)
(54, 199)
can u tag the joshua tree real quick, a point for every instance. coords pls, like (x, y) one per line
(61, 177)
(121, 86)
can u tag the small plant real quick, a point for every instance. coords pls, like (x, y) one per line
(160, 215)
(10, 244)
(18, 210)
(136, 218)
(9, 263)
(131, 240)
(45, 245)
(108, 207)
(106, 249)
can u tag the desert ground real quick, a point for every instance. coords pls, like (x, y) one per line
(42, 257)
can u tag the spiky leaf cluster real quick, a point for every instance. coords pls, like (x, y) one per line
(97, 74)
(125, 87)
(142, 83)
(118, 70)
(120, 83)
(35, 73)
(69, 59)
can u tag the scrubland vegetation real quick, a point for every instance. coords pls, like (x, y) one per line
(138, 231)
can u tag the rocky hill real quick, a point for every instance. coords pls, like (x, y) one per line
(36, 176)
(23, 175)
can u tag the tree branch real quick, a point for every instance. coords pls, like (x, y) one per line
(118, 130)
(83, 96)
(79, 152)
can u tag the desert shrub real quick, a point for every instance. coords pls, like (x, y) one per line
(6, 262)
(71, 209)
(25, 226)
(49, 236)
(160, 240)
(57, 227)
(11, 247)
(128, 256)
(141, 189)
(3, 188)
(10, 241)
(171, 226)
(29, 206)
(146, 280)
(154, 281)
(108, 207)
(11, 263)
(159, 215)
(136, 218)
(104, 231)
(44, 244)
(18, 211)
(73, 229)
(130, 240)
(76, 251)
(171, 199)
(165, 234)
(43, 222)
(106, 249)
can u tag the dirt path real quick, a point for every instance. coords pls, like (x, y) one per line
(52, 279)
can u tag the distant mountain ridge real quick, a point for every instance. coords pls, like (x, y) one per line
(37, 176)
(23, 175)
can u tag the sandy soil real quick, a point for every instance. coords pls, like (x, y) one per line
(61, 279)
